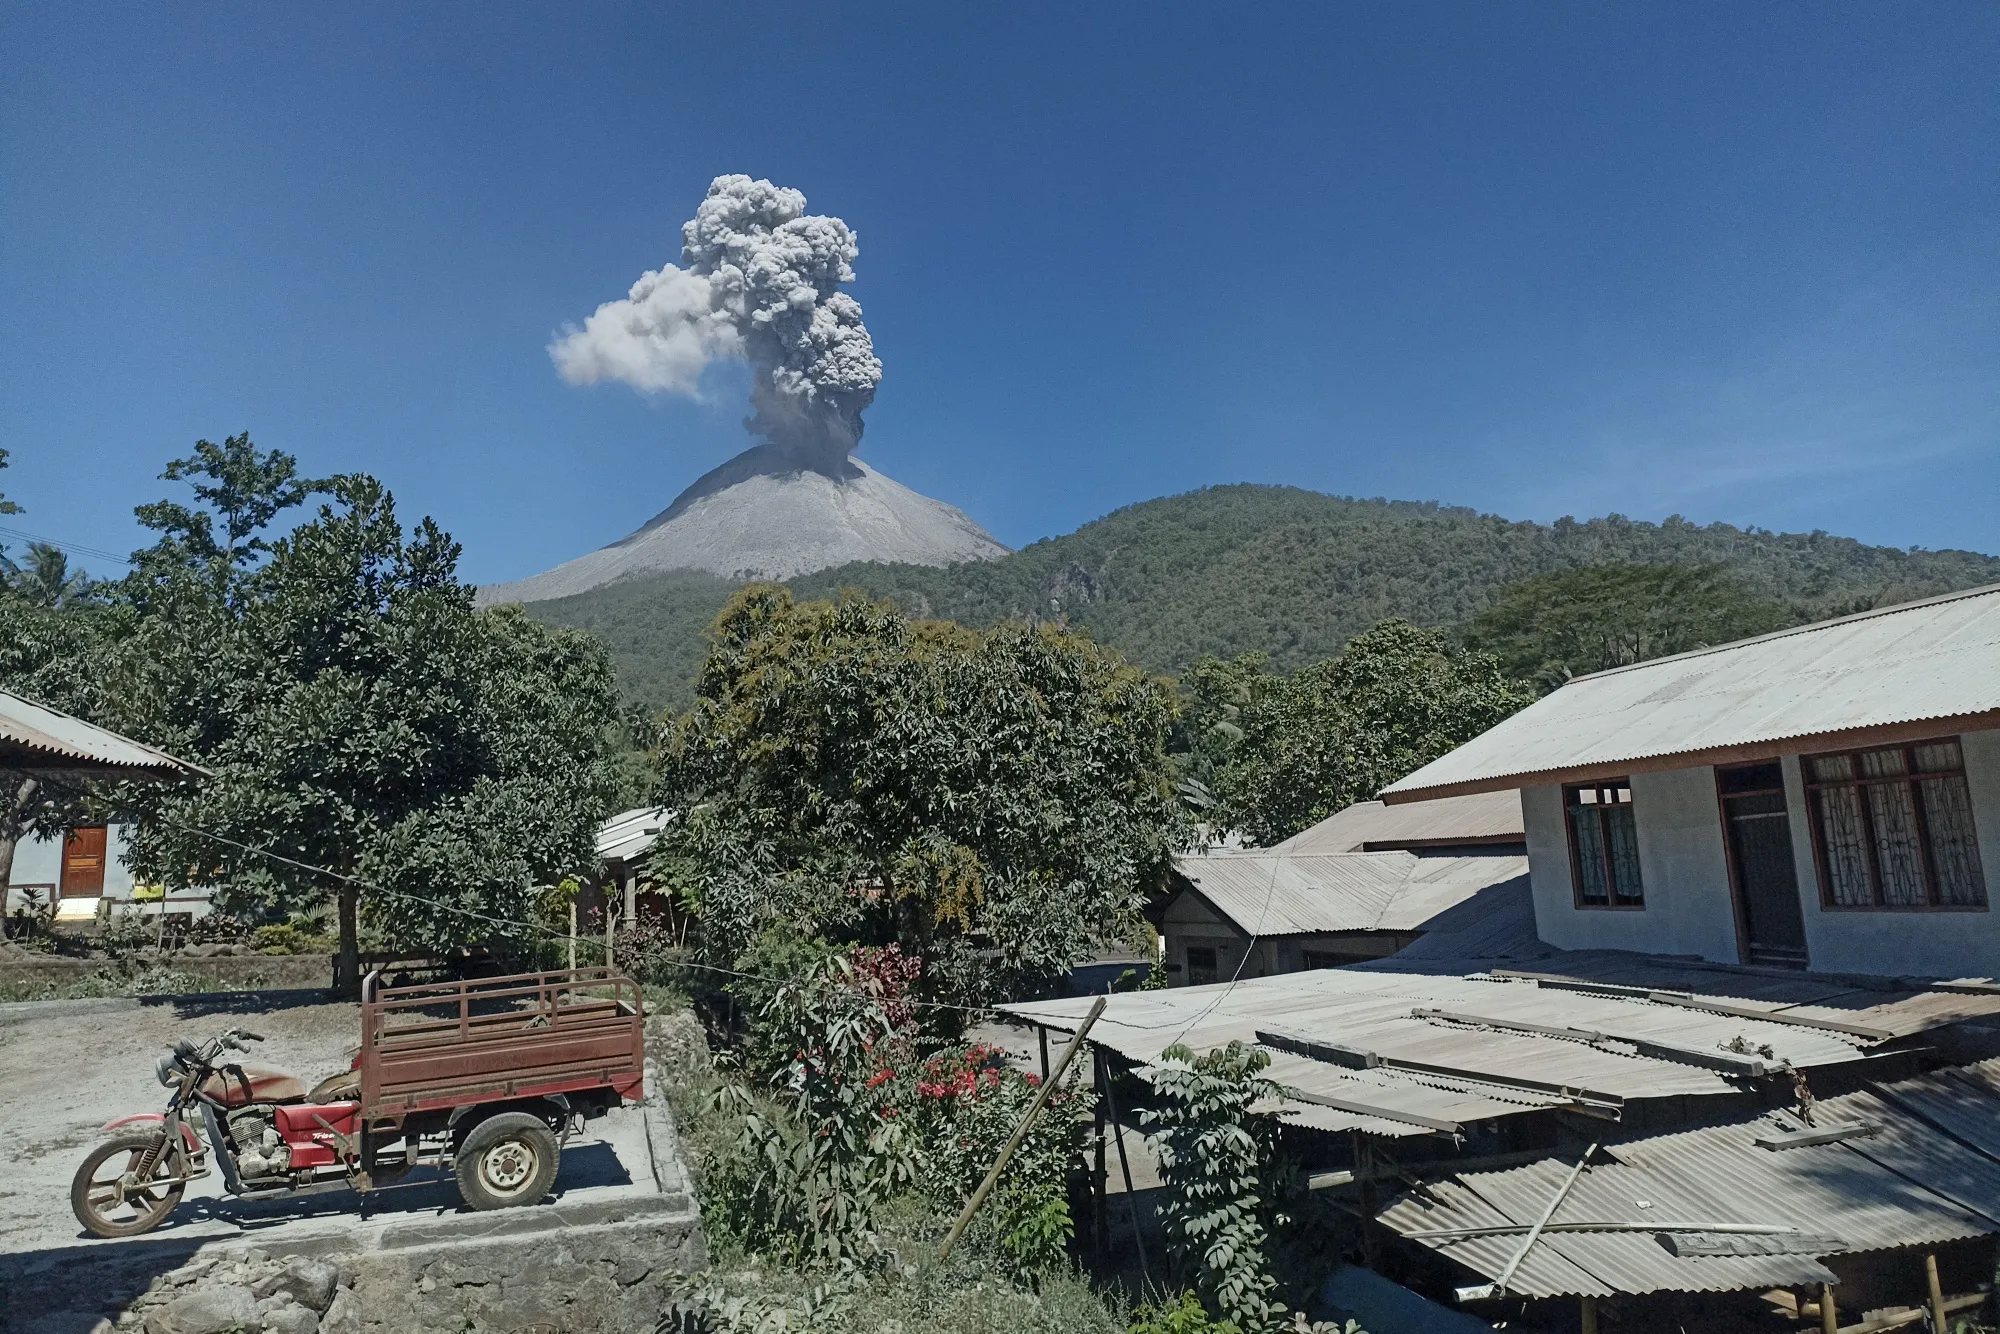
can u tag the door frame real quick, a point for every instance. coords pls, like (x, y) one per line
(1736, 898)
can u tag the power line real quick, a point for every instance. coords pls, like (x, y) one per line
(490, 919)
(74, 548)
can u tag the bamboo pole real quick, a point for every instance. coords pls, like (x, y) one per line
(1498, 1287)
(1937, 1295)
(1020, 1131)
(1829, 1315)
(1586, 1311)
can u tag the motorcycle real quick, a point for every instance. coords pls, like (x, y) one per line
(270, 1134)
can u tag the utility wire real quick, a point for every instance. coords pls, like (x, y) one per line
(488, 918)
(74, 548)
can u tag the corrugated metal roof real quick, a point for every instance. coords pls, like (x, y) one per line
(1278, 894)
(1937, 659)
(1370, 826)
(1904, 1185)
(1477, 1050)
(36, 737)
(630, 833)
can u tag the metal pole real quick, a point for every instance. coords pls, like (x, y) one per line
(1937, 1294)
(1125, 1169)
(1498, 1287)
(1020, 1131)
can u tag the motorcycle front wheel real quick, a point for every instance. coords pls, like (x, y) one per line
(108, 1197)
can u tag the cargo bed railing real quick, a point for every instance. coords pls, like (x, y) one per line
(484, 1039)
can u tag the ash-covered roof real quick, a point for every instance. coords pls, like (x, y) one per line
(1413, 1053)
(1918, 1167)
(1840, 682)
(1277, 894)
(35, 738)
(1371, 826)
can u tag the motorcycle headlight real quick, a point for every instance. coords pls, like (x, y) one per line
(168, 1068)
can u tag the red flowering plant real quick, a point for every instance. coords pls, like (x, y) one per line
(969, 1101)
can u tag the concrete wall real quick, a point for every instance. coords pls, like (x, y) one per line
(1689, 909)
(1682, 865)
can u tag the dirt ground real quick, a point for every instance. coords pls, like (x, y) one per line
(67, 1067)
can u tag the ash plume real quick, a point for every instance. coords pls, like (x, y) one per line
(759, 281)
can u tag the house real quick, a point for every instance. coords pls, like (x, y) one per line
(1253, 914)
(1488, 822)
(83, 868)
(1823, 798)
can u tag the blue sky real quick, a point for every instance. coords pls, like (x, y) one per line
(1735, 261)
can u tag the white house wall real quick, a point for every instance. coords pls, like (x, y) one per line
(38, 865)
(1920, 944)
(1689, 906)
(1682, 866)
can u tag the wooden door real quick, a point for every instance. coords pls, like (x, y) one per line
(83, 862)
(1759, 831)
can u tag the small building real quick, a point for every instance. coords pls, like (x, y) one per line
(1254, 914)
(1482, 822)
(82, 869)
(1823, 798)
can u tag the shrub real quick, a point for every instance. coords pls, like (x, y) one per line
(969, 1103)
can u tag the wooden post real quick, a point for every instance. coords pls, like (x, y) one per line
(1364, 1175)
(1586, 1310)
(1043, 1034)
(1100, 1178)
(1829, 1316)
(1125, 1169)
(572, 934)
(1937, 1295)
(610, 926)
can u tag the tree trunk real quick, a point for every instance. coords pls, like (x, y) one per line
(10, 828)
(347, 964)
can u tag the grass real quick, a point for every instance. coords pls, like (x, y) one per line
(149, 981)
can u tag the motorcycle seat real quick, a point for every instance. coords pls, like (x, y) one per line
(242, 1085)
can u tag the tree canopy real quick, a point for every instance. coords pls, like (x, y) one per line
(1555, 626)
(357, 714)
(994, 801)
(1295, 749)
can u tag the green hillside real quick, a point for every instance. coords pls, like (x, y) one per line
(1294, 573)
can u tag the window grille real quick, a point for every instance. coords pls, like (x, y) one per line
(1892, 828)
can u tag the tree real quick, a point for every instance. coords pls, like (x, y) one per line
(372, 737)
(1340, 731)
(1560, 625)
(996, 802)
(46, 579)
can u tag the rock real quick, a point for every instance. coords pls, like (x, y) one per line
(291, 1318)
(342, 1317)
(308, 1281)
(212, 1310)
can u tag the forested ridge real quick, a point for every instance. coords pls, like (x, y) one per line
(1273, 569)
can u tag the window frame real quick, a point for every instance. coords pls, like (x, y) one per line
(1927, 854)
(1570, 807)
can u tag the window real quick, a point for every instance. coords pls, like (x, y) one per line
(1893, 828)
(1603, 845)
(1201, 964)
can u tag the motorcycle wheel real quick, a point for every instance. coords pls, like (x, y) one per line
(507, 1160)
(109, 1205)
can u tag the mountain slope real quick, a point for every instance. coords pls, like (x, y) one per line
(764, 514)
(1290, 572)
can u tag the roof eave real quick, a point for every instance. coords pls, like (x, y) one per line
(1915, 729)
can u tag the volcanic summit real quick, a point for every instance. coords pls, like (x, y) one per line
(767, 514)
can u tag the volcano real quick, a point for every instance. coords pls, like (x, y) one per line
(767, 514)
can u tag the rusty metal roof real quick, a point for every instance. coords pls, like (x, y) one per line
(37, 738)
(1936, 660)
(1279, 894)
(1370, 826)
(1462, 1049)
(1909, 1179)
